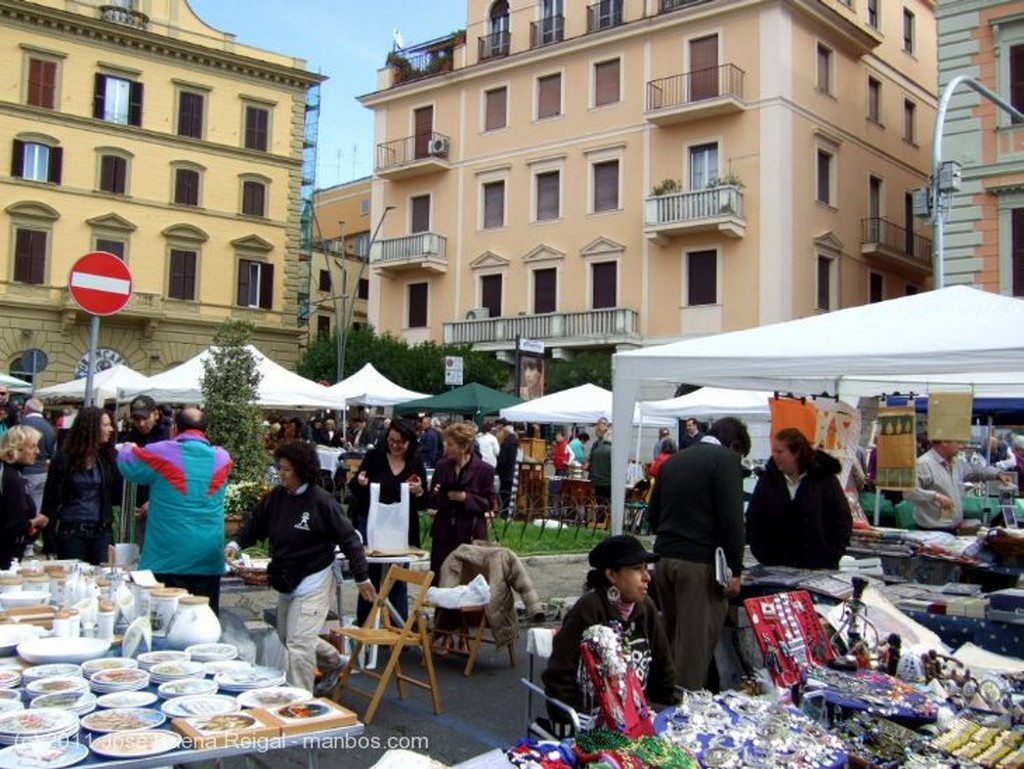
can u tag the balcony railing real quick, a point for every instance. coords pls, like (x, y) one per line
(718, 208)
(419, 153)
(546, 31)
(664, 6)
(129, 17)
(604, 14)
(691, 87)
(887, 238)
(425, 59)
(573, 328)
(428, 250)
(494, 45)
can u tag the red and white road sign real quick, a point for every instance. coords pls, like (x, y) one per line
(100, 283)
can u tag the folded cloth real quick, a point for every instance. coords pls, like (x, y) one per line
(476, 593)
(539, 641)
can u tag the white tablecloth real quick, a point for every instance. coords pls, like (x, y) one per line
(329, 458)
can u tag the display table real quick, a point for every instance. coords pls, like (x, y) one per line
(990, 634)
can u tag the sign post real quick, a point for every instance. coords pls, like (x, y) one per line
(453, 370)
(101, 284)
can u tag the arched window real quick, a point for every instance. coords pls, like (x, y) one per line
(496, 43)
(499, 16)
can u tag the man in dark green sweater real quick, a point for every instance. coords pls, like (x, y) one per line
(695, 508)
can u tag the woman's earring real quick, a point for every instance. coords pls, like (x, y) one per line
(613, 594)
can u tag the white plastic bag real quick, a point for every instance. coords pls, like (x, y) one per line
(387, 525)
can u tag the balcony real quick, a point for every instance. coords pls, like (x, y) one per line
(603, 15)
(714, 209)
(494, 46)
(547, 31)
(417, 155)
(695, 95)
(896, 247)
(127, 17)
(424, 251)
(425, 59)
(665, 6)
(588, 328)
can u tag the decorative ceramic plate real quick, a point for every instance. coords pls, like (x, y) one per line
(57, 684)
(51, 650)
(138, 634)
(254, 678)
(107, 663)
(9, 694)
(48, 671)
(183, 687)
(169, 671)
(149, 659)
(43, 755)
(273, 696)
(212, 652)
(224, 723)
(123, 720)
(77, 702)
(213, 668)
(8, 706)
(200, 705)
(136, 744)
(9, 679)
(119, 680)
(126, 699)
(37, 722)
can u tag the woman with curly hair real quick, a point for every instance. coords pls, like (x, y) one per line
(82, 487)
(19, 521)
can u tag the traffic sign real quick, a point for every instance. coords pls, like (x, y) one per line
(453, 370)
(100, 283)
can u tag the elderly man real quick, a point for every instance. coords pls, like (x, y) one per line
(187, 476)
(35, 473)
(941, 473)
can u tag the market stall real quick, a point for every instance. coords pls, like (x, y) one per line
(368, 387)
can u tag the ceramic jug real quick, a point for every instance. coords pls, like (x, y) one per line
(193, 623)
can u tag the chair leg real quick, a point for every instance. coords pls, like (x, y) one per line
(385, 676)
(474, 643)
(512, 653)
(346, 672)
(399, 683)
(428, 657)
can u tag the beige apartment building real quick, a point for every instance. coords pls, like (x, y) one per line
(630, 171)
(984, 233)
(135, 128)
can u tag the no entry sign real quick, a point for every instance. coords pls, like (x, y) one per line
(100, 283)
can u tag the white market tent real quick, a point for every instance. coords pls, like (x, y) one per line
(278, 388)
(711, 402)
(105, 386)
(369, 387)
(956, 338)
(15, 385)
(585, 404)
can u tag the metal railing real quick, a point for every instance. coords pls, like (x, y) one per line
(409, 248)
(899, 240)
(664, 6)
(604, 14)
(129, 17)
(546, 31)
(400, 152)
(682, 207)
(415, 65)
(494, 45)
(696, 86)
(588, 324)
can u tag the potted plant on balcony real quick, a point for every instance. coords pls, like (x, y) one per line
(726, 196)
(401, 67)
(666, 187)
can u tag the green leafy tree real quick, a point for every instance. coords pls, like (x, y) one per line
(230, 392)
(592, 366)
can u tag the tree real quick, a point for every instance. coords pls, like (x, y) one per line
(230, 387)
(591, 366)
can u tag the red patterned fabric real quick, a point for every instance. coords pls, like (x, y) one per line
(623, 705)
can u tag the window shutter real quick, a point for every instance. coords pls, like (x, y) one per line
(56, 164)
(490, 294)
(253, 200)
(99, 96)
(606, 77)
(545, 290)
(496, 107)
(183, 275)
(18, 158)
(135, 103)
(1018, 251)
(37, 260)
(42, 79)
(549, 96)
(606, 186)
(494, 205)
(604, 288)
(242, 300)
(266, 286)
(1017, 76)
(701, 278)
(547, 196)
(417, 305)
(421, 213)
(325, 280)
(190, 115)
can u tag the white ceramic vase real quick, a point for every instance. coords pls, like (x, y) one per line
(193, 623)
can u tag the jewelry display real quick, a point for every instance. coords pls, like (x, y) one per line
(989, 746)
(789, 634)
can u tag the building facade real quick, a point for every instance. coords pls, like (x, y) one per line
(984, 231)
(632, 171)
(135, 128)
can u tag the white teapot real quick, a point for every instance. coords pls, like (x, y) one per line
(193, 623)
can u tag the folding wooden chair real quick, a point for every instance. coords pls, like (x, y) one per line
(380, 630)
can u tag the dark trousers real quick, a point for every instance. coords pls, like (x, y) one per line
(85, 544)
(196, 584)
(398, 596)
(694, 607)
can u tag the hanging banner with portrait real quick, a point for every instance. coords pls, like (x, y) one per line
(896, 441)
(529, 368)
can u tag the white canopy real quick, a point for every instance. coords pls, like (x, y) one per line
(948, 338)
(586, 403)
(15, 385)
(711, 402)
(278, 386)
(105, 386)
(369, 387)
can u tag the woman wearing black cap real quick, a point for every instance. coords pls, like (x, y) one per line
(616, 597)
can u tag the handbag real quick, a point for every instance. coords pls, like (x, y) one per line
(387, 524)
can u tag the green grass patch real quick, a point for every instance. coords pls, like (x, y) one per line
(534, 539)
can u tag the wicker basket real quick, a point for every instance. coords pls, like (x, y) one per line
(254, 574)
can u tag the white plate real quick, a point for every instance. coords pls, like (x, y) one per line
(126, 699)
(7, 706)
(57, 684)
(123, 720)
(150, 742)
(43, 755)
(48, 671)
(120, 679)
(219, 666)
(169, 671)
(8, 680)
(37, 722)
(184, 687)
(257, 677)
(9, 694)
(139, 633)
(273, 696)
(107, 663)
(12, 635)
(212, 652)
(77, 702)
(149, 659)
(200, 705)
(18, 598)
(48, 650)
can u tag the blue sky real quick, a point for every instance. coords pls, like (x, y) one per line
(345, 40)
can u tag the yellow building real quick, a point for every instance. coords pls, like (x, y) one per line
(630, 171)
(135, 128)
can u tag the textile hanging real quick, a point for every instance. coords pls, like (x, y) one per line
(949, 416)
(838, 433)
(794, 412)
(896, 457)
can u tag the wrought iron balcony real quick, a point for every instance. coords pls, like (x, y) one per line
(546, 31)
(695, 95)
(129, 17)
(680, 213)
(494, 45)
(425, 59)
(423, 153)
(587, 328)
(424, 250)
(895, 246)
(604, 14)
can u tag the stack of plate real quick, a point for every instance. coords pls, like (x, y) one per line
(273, 696)
(56, 684)
(44, 753)
(126, 699)
(119, 680)
(6, 706)
(212, 652)
(107, 663)
(184, 687)
(9, 679)
(200, 705)
(123, 719)
(37, 724)
(79, 703)
(172, 671)
(149, 659)
(48, 671)
(219, 666)
(257, 677)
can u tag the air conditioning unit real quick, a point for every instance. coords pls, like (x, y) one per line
(478, 313)
(438, 147)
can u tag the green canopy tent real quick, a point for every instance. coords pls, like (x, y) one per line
(474, 399)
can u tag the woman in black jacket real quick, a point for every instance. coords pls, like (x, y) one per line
(798, 515)
(19, 521)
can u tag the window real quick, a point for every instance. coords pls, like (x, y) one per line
(909, 117)
(325, 281)
(703, 166)
(490, 294)
(604, 289)
(364, 207)
(117, 100)
(824, 177)
(549, 96)
(908, 31)
(545, 290)
(257, 128)
(417, 305)
(494, 205)
(876, 287)
(824, 298)
(115, 247)
(606, 82)
(874, 100)
(186, 187)
(701, 278)
(254, 198)
(606, 186)
(190, 114)
(873, 13)
(363, 289)
(42, 83)
(30, 256)
(323, 326)
(824, 68)
(113, 174)
(874, 202)
(182, 280)
(1017, 251)
(420, 207)
(547, 195)
(495, 108)
(255, 284)
(361, 247)
(36, 161)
